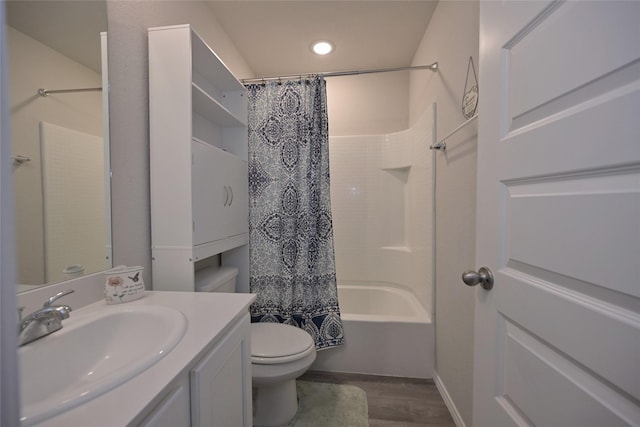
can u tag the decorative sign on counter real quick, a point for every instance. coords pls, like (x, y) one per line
(470, 97)
(123, 284)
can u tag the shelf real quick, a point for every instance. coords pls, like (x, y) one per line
(207, 63)
(402, 249)
(404, 168)
(221, 151)
(189, 254)
(212, 110)
(205, 250)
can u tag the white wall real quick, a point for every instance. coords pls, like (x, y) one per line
(129, 111)
(32, 65)
(368, 104)
(452, 36)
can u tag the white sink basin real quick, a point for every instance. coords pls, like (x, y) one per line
(94, 352)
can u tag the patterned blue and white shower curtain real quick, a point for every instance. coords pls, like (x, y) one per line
(292, 263)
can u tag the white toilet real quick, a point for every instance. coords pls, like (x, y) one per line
(279, 354)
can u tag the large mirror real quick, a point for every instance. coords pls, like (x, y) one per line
(59, 140)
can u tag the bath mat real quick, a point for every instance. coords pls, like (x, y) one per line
(330, 405)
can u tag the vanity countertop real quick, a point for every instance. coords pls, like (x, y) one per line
(209, 316)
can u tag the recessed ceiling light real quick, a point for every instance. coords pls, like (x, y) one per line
(322, 47)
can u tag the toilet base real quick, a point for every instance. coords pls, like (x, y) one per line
(275, 404)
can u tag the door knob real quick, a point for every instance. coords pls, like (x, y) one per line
(483, 277)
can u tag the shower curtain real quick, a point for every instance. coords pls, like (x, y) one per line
(292, 264)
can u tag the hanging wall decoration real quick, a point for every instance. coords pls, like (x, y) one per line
(470, 97)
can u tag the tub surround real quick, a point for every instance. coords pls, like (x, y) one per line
(382, 203)
(381, 199)
(211, 319)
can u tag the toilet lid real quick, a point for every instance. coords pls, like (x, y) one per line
(278, 340)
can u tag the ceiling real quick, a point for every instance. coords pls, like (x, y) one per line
(274, 37)
(71, 27)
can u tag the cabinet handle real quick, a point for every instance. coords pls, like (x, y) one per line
(226, 195)
(231, 201)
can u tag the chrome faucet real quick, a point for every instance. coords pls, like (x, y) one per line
(44, 321)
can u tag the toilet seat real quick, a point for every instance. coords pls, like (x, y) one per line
(276, 343)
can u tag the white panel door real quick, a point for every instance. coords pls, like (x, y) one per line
(557, 339)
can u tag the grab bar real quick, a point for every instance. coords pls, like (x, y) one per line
(442, 144)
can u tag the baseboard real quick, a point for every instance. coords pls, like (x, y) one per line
(448, 401)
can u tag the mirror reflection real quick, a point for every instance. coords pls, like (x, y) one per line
(59, 144)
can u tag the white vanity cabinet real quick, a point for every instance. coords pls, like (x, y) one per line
(221, 383)
(198, 156)
(216, 392)
(203, 381)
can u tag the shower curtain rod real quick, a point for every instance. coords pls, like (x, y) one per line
(46, 92)
(432, 67)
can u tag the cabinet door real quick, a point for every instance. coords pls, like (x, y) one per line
(221, 385)
(220, 194)
(210, 194)
(173, 411)
(237, 215)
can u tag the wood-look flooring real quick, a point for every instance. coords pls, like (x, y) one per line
(394, 402)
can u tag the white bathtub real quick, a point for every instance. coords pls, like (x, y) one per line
(387, 332)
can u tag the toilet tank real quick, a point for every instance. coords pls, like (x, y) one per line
(216, 279)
